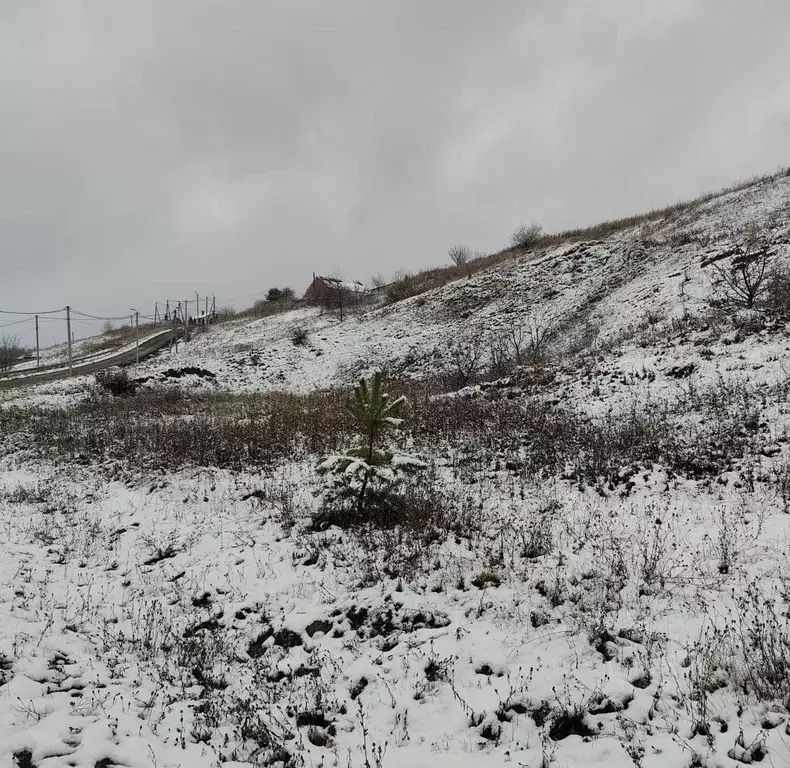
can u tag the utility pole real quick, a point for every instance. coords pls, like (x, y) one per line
(205, 316)
(186, 329)
(156, 311)
(38, 357)
(197, 306)
(167, 309)
(68, 334)
(136, 335)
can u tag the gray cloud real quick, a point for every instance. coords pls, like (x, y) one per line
(150, 149)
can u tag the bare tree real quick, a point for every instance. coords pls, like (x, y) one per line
(377, 281)
(459, 255)
(11, 351)
(744, 282)
(525, 236)
(107, 327)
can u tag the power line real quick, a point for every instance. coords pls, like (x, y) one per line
(97, 317)
(32, 314)
(16, 322)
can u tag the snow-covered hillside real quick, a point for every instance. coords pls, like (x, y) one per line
(653, 271)
(592, 570)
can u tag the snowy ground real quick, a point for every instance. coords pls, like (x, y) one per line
(194, 617)
(127, 608)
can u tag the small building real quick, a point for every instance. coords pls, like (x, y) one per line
(202, 318)
(332, 291)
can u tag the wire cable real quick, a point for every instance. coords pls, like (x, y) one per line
(47, 312)
(97, 317)
(16, 322)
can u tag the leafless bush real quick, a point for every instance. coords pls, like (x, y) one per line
(743, 284)
(525, 236)
(299, 336)
(499, 362)
(224, 314)
(11, 352)
(751, 651)
(528, 340)
(116, 381)
(404, 286)
(762, 640)
(108, 327)
(464, 359)
(264, 308)
(459, 255)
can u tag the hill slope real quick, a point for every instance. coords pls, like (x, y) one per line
(595, 291)
(591, 569)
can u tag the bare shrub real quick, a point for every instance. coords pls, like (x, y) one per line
(459, 255)
(116, 381)
(299, 336)
(499, 360)
(743, 284)
(11, 352)
(223, 314)
(463, 362)
(762, 640)
(528, 340)
(525, 236)
(264, 308)
(404, 286)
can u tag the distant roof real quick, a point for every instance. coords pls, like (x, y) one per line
(342, 285)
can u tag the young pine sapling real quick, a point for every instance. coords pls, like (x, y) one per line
(369, 463)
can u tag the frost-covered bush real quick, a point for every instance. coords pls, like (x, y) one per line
(362, 482)
(116, 381)
(525, 236)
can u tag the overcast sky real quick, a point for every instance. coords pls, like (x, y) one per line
(152, 148)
